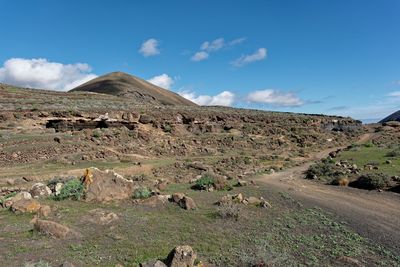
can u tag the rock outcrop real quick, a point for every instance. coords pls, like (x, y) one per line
(104, 186)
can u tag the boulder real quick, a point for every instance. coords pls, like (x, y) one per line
(265, 204)
(182, 256)
(176, 197)
(145, 119)
(19, 196)
(238, 198)
(25, 205)
(252, 201)
(103, 186)
(52, 228)
(44, 211)
(187, 203)
(57, 188)
(40, 190)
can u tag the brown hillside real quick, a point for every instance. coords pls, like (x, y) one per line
(125, 85)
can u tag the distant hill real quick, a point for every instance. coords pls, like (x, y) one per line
(125, 85)
(392, 117)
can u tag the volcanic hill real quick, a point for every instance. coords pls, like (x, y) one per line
(392, 117)
(125, 85)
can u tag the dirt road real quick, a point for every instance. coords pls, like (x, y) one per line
(375, 215)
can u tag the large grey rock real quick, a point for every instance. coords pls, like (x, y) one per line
(187, 203)
(182, 256)
(40, 190)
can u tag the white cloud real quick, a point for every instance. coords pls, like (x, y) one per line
(275, 98)
(163, 81)
(149, 48)
(208, 47)
(225, 98)
(258, 55)
(40, 73)
(199, 56)
(237, 41)
(212, 46)
(394, 94)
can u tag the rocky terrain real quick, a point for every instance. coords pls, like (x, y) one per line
(95, 179)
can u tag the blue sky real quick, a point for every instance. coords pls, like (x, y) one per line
(313, 56)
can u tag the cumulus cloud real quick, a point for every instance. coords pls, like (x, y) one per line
(225, 98)
(199, 56)
(43, 74)
(275, 98)
(162, 80)
(258, 55)
(149, 48)
(208, 47)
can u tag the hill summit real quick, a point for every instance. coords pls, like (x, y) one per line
(126, 85)
(392, 117)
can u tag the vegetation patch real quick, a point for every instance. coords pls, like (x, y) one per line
(326, 171)
(373, 181)
(72, 189)
(209, 181)
(229, 210)
(141, 193)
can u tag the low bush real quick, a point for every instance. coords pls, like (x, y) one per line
(373, 181)
(205, 182)
(229, 210)
(325, 170)
(141, 193)
(96, 134)
(73, 189)
(394, 153)
(208, 181)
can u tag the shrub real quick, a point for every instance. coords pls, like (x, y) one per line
(394, 153)
(368, 144)
(208, 181)
(205, 182)
(141, 193)
(96, 134)
(73, 189)
(324, 170)
(167, 128)
(228, 210)
(373, 181)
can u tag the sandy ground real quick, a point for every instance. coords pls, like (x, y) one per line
(374, 215)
